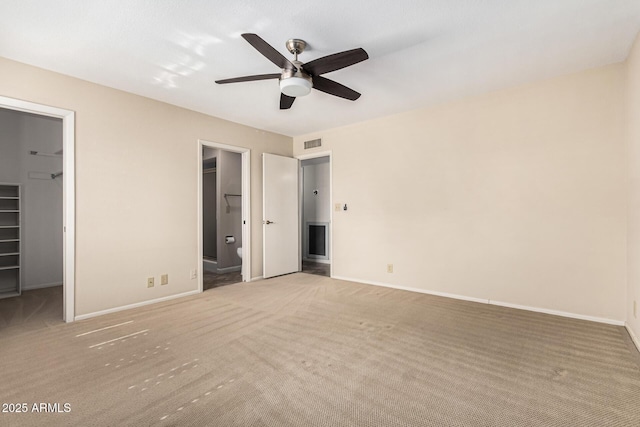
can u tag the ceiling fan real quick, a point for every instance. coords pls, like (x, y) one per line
(297, 78)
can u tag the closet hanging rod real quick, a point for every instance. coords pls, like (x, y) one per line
(43, 175)
(38, 153)
(234, 195)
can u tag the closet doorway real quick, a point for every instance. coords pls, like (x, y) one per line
(36, 212)
(223, 215)
(315, 214)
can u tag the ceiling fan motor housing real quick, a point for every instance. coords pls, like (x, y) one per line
(296, 46)
(295, 83)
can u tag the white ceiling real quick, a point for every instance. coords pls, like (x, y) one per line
(422, 52)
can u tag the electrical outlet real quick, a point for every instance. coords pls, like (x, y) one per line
(150, 282)
(194, 274)
(389, 268)
(338, 207)
(164, 279)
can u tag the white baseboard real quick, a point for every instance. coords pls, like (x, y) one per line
(487, 301)
(406, 288)
(633, 336)
(560, 313)
(319, 261)
(210, 266)
(228, 269)
(135, 305)
(254, 279)
(40, 286)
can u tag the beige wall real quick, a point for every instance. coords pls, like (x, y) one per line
(136, 184)
(633, 141)
(516, 196)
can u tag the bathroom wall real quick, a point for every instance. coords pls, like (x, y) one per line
(229, 181)
(209, 204)
(222, 216)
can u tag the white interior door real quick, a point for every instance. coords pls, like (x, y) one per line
(280, 226)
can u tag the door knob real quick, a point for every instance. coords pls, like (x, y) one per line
(268, 222)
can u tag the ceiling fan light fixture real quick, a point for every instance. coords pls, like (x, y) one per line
(295, 86)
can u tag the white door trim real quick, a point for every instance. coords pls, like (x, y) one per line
(68, 193)
(331, 207)
(246, 207)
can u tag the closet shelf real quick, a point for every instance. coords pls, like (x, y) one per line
(10, 249)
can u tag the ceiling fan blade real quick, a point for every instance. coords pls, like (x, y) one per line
(268, 51)
(250, 78)
(336, 61)
(286, 101)
(334, 88)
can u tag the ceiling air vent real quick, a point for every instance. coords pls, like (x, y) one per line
(313, 143)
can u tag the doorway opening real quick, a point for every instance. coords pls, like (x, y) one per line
(37, 204)
(315, 215)
(223, 215)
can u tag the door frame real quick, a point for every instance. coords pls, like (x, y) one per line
(246, 207)
(68, 194)
(315, 156)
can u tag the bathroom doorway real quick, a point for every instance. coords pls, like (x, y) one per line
(222, 215)
(316, 215)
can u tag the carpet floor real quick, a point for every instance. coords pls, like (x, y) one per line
(33, 310)
(306, 350)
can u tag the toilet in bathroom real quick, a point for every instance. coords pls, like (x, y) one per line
(239, 251)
